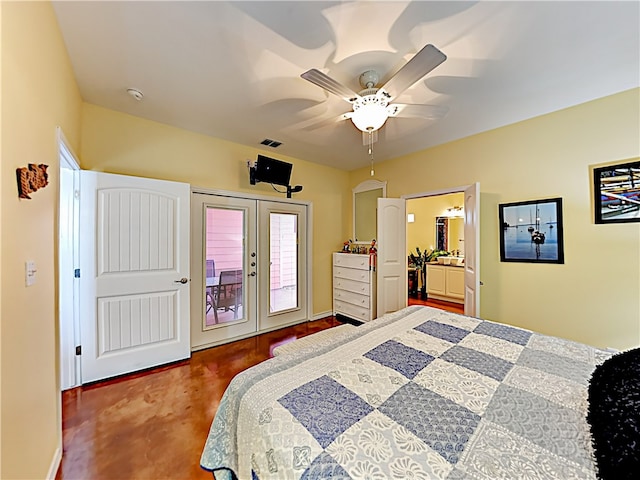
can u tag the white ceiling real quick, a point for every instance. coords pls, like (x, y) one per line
(232, 69)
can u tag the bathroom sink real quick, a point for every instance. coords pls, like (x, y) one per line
(455, 261)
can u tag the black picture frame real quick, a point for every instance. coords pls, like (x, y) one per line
(532, 231)
(616, 193)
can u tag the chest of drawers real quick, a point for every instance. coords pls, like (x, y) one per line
(354, 287)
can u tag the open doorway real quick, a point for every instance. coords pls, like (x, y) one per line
(442, 262)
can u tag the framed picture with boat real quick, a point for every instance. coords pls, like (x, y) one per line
(616, 190)
(531, 231)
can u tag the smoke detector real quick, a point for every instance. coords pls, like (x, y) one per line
(135, 93)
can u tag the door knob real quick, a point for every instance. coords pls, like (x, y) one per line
(183, 280)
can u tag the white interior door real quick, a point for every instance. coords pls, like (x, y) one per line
(282, 264)
(223, 241)
(392, 255)
(134, 287)
(472, 250)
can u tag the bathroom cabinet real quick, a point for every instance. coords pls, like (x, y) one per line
(445, 282)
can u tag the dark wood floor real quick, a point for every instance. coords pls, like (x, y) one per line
(449, 306)
(153, 424)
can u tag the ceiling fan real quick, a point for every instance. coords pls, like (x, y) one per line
(372, 105)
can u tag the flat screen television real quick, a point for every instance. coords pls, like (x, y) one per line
(270, 170)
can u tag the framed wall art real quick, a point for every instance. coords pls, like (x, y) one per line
(616, 193)
(531, 231)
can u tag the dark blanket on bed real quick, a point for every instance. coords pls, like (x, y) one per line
(614, 416)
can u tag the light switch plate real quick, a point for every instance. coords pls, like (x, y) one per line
(30, 273)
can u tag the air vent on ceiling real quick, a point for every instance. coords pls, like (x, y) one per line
(270, 143)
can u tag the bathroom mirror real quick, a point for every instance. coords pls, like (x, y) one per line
(450, 234)
(365, 203)
(442, 233)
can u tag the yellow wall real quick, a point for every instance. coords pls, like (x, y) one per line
(39, 93)
(422, 232)
(595, 296)
(1, 177)
(118, 143)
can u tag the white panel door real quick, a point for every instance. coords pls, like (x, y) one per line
(134, 283)
(472, 250)
(392, 255)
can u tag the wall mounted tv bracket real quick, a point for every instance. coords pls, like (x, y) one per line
(253, 181)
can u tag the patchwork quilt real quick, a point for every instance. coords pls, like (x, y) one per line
(422, 394)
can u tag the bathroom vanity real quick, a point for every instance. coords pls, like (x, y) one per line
(445, 282)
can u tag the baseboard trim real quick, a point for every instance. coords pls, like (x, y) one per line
(317, 316)
(55, 464)
(322, 315)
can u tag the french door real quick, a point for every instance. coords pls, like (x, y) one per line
(249, 261)
(283, 280)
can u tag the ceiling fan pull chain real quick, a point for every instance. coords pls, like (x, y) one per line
(371, 150)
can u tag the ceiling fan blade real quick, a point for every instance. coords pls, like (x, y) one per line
(316, 77)
(416, 111)
(314, 125)
(422, 63)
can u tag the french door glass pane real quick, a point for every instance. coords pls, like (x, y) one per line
(283, 261)
(224, 255)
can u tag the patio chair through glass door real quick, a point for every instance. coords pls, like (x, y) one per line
(227, 294)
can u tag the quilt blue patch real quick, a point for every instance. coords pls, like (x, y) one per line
(568, 368)
(480, 362)
(442, 424)
(539, 421)
(324, 466)
(445, 332)
(325, 408)
(406, 360)
(511, 334)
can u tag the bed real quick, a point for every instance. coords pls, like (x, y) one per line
(420, 393)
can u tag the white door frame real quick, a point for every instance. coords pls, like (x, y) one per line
(446, 191)
(308, 204)
(68, 261)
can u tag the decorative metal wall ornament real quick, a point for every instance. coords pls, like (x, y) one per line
(31, 178)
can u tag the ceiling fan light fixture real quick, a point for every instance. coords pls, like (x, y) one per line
(369, 113)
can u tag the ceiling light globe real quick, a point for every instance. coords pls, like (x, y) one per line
(369, 117)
